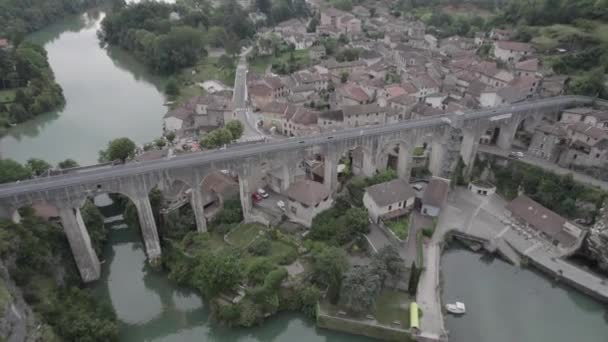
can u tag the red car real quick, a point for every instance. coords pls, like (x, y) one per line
(256, 197)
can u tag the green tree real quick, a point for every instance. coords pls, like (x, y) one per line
(217, 272)
(38, 166)
(118, 149)
(329, 265)
(170, 136)
(172, 88)
(67, 164)
(11, 171)
(160, 142)
(360, 288)
(344, 77)
(236, 129)
(312, 25)
(216, 138)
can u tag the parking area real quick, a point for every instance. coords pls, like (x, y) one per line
(269, 204)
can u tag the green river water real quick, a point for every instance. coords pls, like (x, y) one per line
(109, 94)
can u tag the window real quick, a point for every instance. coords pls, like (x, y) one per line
(597, 155)
(390, 207)
(542, 145)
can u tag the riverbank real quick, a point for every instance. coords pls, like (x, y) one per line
(108, 95)
(507, 303)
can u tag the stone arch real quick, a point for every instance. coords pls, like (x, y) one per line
(395, 154)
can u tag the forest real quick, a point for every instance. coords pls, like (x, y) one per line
(27, 84)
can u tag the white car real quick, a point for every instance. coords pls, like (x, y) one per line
(516, 155)
(263, 193)
(281, 205)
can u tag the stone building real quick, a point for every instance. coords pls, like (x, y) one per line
(389, 200)
(306, 200)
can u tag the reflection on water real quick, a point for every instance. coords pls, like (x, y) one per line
(108, 95)
(151, 308)
(506, 304)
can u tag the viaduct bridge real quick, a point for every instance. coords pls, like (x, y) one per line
(450, 136)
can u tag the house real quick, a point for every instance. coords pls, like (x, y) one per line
(588, 146)
(341, 21)
(508, 51)
(331, 119)
(265, 89)
(362, 115)
(217, 187)
(389, 200)
(351, 94)
(317, 52)
(199, 113)
(550, 225)
(435, 195)
(306, 199)
(594, 117)
(528, 67)
(548, 141)
(300, 121)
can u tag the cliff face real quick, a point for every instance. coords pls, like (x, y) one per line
(17, 321)
(596, 244)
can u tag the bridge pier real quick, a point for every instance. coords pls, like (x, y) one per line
(148, 226)
(287, 177)
(438, 154)
(404, 162)
(468, 148)
(9, 213)
(199, 209)
(80, 242)
(330, 172)
(506, 135)
(245, 194)
(368, 168)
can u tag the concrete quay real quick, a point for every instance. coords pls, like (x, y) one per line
(486, 220)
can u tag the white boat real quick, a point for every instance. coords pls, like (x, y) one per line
(457, 308)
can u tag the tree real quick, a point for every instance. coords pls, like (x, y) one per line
(216, 138)
(413, 281)
(263, 6)
(388, 264)
(344, 77)
(38, 166)
(67, 164)
(170, 136)
(216, 273)
(312, 25)
(236, 129)
(172, 88)
(329, 265)
(357, 220)
(11, 171)
(360, 288)
(590, 84)
(118, 149)
(160, 142)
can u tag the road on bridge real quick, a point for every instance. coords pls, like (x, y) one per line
(547, 165)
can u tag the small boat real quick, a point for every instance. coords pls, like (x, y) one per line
(457, 308)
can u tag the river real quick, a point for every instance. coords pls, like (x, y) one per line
(108, 95)
(507, 304)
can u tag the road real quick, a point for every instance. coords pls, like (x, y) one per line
(548, 166)
(95, 175)
(239, 98)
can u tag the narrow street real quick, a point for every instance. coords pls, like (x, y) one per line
(243, 112)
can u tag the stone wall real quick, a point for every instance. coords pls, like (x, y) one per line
(362, 328)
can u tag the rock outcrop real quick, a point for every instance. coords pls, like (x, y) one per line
(17, 321)
(596, 244)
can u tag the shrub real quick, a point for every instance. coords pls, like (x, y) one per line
(249, 314)
(288, 257)
(309, 297)
(260, 247)
(274, 279)
(258, 269)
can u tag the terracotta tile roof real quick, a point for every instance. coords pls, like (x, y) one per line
(515, 46)
(390, 192)
(528, 65)
(308, 192)
(540, 218)
(588, 130)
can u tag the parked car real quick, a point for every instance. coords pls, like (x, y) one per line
(263, 193)
(281, 205)
(516, 155)
(256, 197)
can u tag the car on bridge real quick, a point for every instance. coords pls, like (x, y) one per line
(516, 155)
